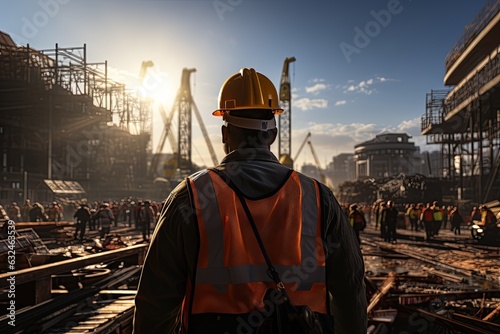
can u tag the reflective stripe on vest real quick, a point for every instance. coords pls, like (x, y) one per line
(231, 274)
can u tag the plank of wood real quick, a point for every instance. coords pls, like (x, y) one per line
(386, 287)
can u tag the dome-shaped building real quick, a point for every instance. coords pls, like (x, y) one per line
(385, 155)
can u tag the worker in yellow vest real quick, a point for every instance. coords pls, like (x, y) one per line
(438, 217)
(232, 238)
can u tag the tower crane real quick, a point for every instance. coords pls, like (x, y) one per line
(285, 119)
(184, 104)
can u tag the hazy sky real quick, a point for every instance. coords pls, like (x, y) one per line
(363, 66)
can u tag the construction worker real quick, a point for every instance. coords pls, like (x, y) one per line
(487, 216)
(390, 221)
(82, 216)
(146, 218)
(438, 217)
(15, 212)
(475, 215)
(489, 225)
(106, 219)
(206, 271)
(357, 220)
(427, 217)
(25, 210)
(456, 220)
(412, 214)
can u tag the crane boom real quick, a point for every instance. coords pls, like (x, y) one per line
(184, 104)
(318, 164)
(316, 160)
(167, 122)
(166, 133)
(205, 135)
(302, 146)
(285, 119)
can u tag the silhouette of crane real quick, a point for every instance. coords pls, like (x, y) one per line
(322, 176)
(285, 119)
(167, 121)
(184, 105)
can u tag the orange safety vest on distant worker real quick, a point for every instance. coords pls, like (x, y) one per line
(428, 215)
(231, 273)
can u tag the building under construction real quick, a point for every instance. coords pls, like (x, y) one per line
(465, 120)
(66, 128)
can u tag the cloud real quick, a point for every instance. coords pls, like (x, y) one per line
(340, 102)
(336, 134)
(120, 75)
(364, 86)
(331, 139)
(316, 88)
(308, 104)
(411, 127)
(382, 79)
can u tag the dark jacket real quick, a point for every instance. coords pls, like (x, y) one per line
(82, 214)
(390, 215)
(171, 259)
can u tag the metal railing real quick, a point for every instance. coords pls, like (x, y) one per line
(489, 10)
(41, 276)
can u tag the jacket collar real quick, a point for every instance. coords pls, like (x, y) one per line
(249, 154)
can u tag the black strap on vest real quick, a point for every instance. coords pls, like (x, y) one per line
(271, 271)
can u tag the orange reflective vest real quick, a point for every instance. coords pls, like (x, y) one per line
(428, 215)
(231, 272)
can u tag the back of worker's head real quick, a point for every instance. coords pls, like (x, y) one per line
(248, 103)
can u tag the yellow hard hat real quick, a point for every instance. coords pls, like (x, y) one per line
(248, 89)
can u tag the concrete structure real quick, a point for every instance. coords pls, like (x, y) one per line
(465, 120)
(388, 154)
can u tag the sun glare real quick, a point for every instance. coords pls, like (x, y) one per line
(157, 88)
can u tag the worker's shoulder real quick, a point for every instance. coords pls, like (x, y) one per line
(179, 193)
(322, 186)
(180, 188)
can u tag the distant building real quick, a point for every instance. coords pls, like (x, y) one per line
(310, 170)
(387, 154)
(341, 169)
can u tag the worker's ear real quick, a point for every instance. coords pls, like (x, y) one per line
(225, 139)
(272, 135)
(224, 134)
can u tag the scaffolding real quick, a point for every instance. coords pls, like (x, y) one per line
(63, 117)
(465, 121)
(68, 69)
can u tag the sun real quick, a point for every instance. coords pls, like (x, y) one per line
(158, 88)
